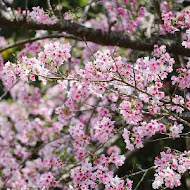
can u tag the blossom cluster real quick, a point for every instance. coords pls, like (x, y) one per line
(183, 78)
(40, 16)
(92, 175)
(173, 22)
(128, 14)
(86, 102)
(139, 133)
(54, 55)
(169, 168)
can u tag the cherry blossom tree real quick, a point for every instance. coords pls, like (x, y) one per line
(88, 87)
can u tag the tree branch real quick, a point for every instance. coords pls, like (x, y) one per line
(39, 38)
(94, 35)
(139, 172)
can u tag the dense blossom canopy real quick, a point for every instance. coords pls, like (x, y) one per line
(73, 110)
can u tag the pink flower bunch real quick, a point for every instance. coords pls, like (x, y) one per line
(66, 111)
(178, 103)
(103, 129)
(183, 78)
(78, 92)
(8, 75)
(139, 133)
(183, 20)
(26, 93)
(47, 180)
(128, 14)
(168, 27)
(52, 162)
(30, 49)
(55, 54)
(27, 69)
(170, 167)
(100, 68)
(91, 175)
(38, 15)
(159, 66)
(175, 130)
(77, 132)
(131, 111)
(177, 22)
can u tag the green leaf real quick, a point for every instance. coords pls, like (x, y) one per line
(83, 2)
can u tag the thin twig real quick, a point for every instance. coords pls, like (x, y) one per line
(139, 172)
(50, 7)
(89, 48)
(39, 38)
(6, 92)
(142, 178)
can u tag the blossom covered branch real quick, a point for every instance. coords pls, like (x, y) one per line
(93, 35)
(73, 113)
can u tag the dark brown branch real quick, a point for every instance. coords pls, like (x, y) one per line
(39, 38)
(93, 35)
